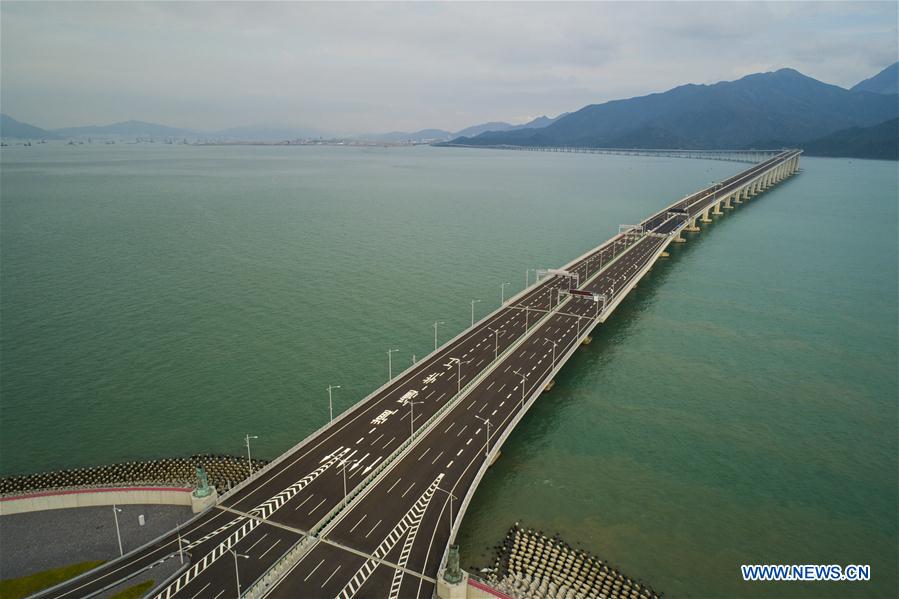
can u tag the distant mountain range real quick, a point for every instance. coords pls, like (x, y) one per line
(784, 104)
(10, 127)
(783, 107)
(125, 129)
(429, 135)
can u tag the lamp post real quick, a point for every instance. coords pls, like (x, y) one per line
(343, 469)
(451, 497)
(495, 342)
(473, 302)
(180, 541)
(524, 381)
(330, 404)
(487, 420)
(390, 363)
(459, 375)
(554, 349)
(502, 294)
(249, 459)
(435, 332)
(236, 569)
(412, 417)
(118, 534)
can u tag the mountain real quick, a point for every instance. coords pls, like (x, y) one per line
(126, 129)
(540, 121)
(264, 133)
(10, 127)
(884, 82)
(784, 104)
(880, 141)
(478, 129)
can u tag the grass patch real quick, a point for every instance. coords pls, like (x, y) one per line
(17, 588)
(135, 592)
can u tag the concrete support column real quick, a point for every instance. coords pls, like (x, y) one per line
(705, 215)
(691, 226)
(717, 210)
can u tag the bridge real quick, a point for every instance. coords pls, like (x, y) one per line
(369, 505)
(750, 156)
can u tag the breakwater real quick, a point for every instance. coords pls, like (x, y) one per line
(224, 471)
(530, 565)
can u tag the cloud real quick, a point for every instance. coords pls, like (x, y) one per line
(382, 66)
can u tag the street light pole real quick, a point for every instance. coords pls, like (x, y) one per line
(473, 302)
(554, 349)
(495, 343)
(412, 417)
(502, 294)
(390, 363)
(435, 332)
(118, 534)
(236, 570)
(343, 468)
(487, 420)
(524, 381)
(330, 404)
(180, 541)
(451, 497)
(459, 375)
(249, 459)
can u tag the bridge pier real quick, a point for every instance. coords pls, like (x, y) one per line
(705, 215)
(717, 210)
(691, 227)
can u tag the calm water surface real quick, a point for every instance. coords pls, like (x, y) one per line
(740, 407)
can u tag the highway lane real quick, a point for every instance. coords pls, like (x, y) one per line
(380, 506)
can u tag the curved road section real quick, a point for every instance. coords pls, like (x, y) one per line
(367, 505)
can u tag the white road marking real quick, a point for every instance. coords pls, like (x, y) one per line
(394, 484)
(437, 458)
(373, 528)
(203, 589)
(316, 507)
(257, 542)
(304, 501)
(407, 490)
(313, 570)
(270, 548)
(364, 516)
(424, 453)
(331, 576)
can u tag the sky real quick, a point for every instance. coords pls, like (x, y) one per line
(343, 68)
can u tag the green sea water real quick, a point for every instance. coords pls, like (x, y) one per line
(739, 407)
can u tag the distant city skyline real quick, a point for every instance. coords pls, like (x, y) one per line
(346, 68)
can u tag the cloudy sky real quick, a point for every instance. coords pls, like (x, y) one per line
(362, 67)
